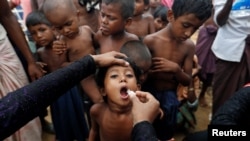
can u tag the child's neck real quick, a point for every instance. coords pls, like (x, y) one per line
(119, 35)
(137, 17)
(119, 109)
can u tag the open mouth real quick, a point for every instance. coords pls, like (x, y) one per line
(124, 93)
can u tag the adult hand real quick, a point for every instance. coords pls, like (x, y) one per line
(34, 71)
(145, 107)
(110, 58)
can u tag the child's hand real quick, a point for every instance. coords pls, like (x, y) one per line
(42, 66)
(59, 46)
(163, 65)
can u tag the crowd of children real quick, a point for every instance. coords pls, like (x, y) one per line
(155, 36)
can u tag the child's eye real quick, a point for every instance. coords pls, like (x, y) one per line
(130, 75)
(185, 25)
(68, 24)
(114, 76)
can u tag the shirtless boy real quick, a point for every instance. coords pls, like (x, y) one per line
(115, 15)
(172, 61)
(112, 119)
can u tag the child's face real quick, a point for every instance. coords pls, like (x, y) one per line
(154, 3)
(159, 23)
(111, 20)
(184, 26)
(118, 80)
(139, 7)
(42, 34)
(64, 21)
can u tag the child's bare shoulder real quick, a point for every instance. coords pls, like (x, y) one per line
(189, 43)
(86, 29)
(131, 36)
(154, 37)
(97, 109)
(148, 17)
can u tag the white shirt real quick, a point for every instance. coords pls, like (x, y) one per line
(2, 32)
(229, 43)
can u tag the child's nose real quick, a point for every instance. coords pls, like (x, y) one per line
(123, 79)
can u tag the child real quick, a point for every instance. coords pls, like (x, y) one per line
(68, 106)
(153, 4)
(112, 120)
(115, 15)
(206, 36)
(142, 24)
(188, 101)
(172, 53)
(76, 40)
(160, 17)
(139, 53)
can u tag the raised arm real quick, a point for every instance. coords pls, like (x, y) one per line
(24, 104)
(15, 33)
(222, 15)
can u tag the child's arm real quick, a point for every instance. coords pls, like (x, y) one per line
(94, 129)
(196, 67)
(90, 88)
(151, 24)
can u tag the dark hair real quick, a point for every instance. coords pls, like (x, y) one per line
(35, 18)
(146, 2)
(101, 72)
(201, 8)
(126, 6)
(161, 11)
(136, 50)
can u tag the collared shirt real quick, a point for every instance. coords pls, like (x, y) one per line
(229, 43)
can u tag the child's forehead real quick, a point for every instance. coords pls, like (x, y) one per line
(116, 68)
(189, 17)
(39, 25)
(111, 7)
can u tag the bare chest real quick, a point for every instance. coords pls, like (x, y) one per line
(116, 128)
(139, 28)
(79, 47)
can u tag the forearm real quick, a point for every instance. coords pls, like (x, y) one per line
(17, 36)
(224, 13)
(143, 131)
(24, 104)
(234, 111)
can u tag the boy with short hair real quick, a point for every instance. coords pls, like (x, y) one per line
(172, 53)
(112, 120)
(68, 107)
(142, 24)
(137, 51)
(76, 40)
(160, 17)
(115, 15)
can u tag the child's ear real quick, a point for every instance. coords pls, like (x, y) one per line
(128, 22)
(138, 86)
(170, 15)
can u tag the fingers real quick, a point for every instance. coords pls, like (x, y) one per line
(110, 58)
(59, 46)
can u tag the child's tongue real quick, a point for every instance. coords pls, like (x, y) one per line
(124, 93)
